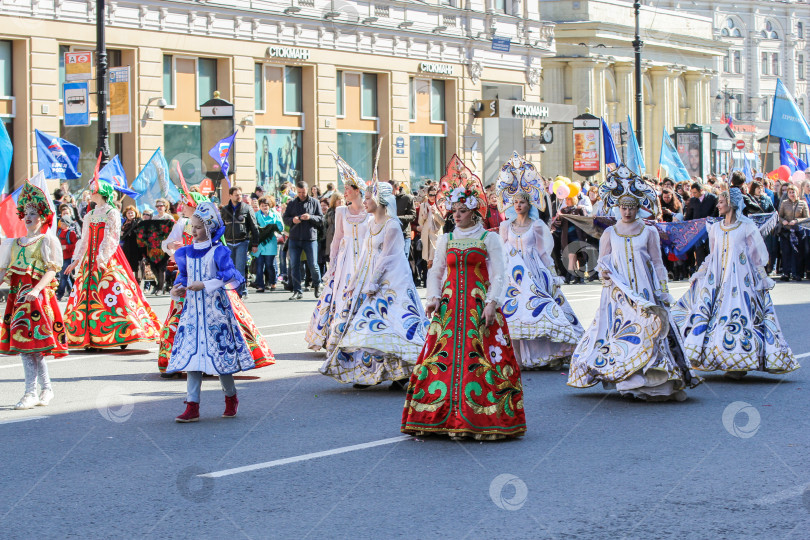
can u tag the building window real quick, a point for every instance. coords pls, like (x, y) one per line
(731, 29)
(182, 146)
(800, 30)
(258, 87)
(62, 50)
(358, 150)
(775, 64)
(369, 96)
(412, 99)
(292, 89)
(339, 95)
(168, 79)
(737, 55)
(500, 6)
(6, 88)
(765, 66)
(86, 137)
(206, 79)
(437, 100)
(800, 67)
(765, 110)
(726, 67)
(427, 159)
(768, 32)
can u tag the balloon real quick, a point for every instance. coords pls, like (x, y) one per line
(557, 183)
(562, 191)
(798, 177)
(575, 189)
(783, 172)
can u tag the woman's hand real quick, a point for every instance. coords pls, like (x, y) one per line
(177, 244)
(604, 274)
(196, 286)
(489, 313)
(178, 291)
(32, 295)
(71, 267)
(431, 307)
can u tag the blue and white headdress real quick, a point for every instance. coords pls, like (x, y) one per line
(519, 179)
(208, 213)
(623, 187)
(383, 194)
(736, 201)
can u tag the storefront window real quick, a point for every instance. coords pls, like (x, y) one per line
(182, 146)
(206, 79)
(427, 159)
(9, 124)
(358, 151)
(168, 79)
(279, 157)
(369, 95)
(86, 138)
(62, 50)
(258, 87)
(5, 68)
(292, 89)
(339, 96)
(437, 101)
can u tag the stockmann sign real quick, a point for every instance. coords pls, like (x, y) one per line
(287, 52)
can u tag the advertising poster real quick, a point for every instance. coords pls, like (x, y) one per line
(279, 157)
(586, 150)
(688, 145)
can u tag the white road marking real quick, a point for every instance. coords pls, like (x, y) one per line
(304, 457)
(284, 324)
(15, 420)
(285, 334)
(783, 495)
(803, 355)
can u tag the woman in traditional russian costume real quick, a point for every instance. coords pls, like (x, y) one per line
(211, 336)
(32, 324)
(466, 382)
(542, 325)
(726, 318)
(106, 307)
(383, 330)
(179, 237)
(351, 230)
(632, 345)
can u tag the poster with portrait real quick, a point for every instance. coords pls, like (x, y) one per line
(688, 145)
(279, 157)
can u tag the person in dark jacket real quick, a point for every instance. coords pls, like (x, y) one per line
(701, 205)
(751, 205)
(406, 212)
(304, 217)
(241, 232)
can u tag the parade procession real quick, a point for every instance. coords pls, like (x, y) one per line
(547, 261)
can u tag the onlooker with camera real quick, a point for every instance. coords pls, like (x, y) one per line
(303, 215)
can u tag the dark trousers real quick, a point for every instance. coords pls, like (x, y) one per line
(791, 259)
(265, 266)
(310, 248)
(159, 270)
(65, 280)
(701, 252)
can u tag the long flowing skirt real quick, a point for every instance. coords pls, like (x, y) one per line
(36, 326)
(107, 309)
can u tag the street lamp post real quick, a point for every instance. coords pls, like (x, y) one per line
(727, 98)
(103, 145)
(637, 44)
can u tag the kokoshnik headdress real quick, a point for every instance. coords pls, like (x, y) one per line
(208, 213)
(623, 187)
(33, 196)
(519, 179)
(459, 184)
(346, 174)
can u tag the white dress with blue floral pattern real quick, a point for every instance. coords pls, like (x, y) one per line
(379, 335)
(726, 318)
(632, 344)
(542, 325)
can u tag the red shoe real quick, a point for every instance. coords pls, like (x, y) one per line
(231, 404)
(192, 413)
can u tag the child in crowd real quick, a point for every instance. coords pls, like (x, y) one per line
(32, 325)
(68, 234)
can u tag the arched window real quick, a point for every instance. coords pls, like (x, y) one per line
(730, 29)
(769, 32)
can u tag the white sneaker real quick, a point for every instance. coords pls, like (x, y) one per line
(28, 401)
(45, 397)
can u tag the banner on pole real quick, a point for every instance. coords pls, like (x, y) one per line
(120, 117)
(77, 104)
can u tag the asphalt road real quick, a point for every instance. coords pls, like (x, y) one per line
(308, 457)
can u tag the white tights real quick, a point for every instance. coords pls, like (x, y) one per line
(35, 370)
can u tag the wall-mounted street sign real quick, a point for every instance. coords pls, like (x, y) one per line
(501, 44)
(546, 113)
(77, 104)
(120, 110)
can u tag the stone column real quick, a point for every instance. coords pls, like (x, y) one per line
(625, 90)
(323, 134)
(555, 159)
(698, 100)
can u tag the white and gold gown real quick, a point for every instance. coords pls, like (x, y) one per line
(542, 325)
(351, 231)
(726, 319)
(632, 344)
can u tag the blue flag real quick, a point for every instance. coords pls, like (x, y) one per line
(154, 182)
(635, 161)
(787, 157)
(6, 153)
(670, 161)
(787, 120)
(113, 172)
(611, 155)
(747, 170)
(221, 153)
(57, 157)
